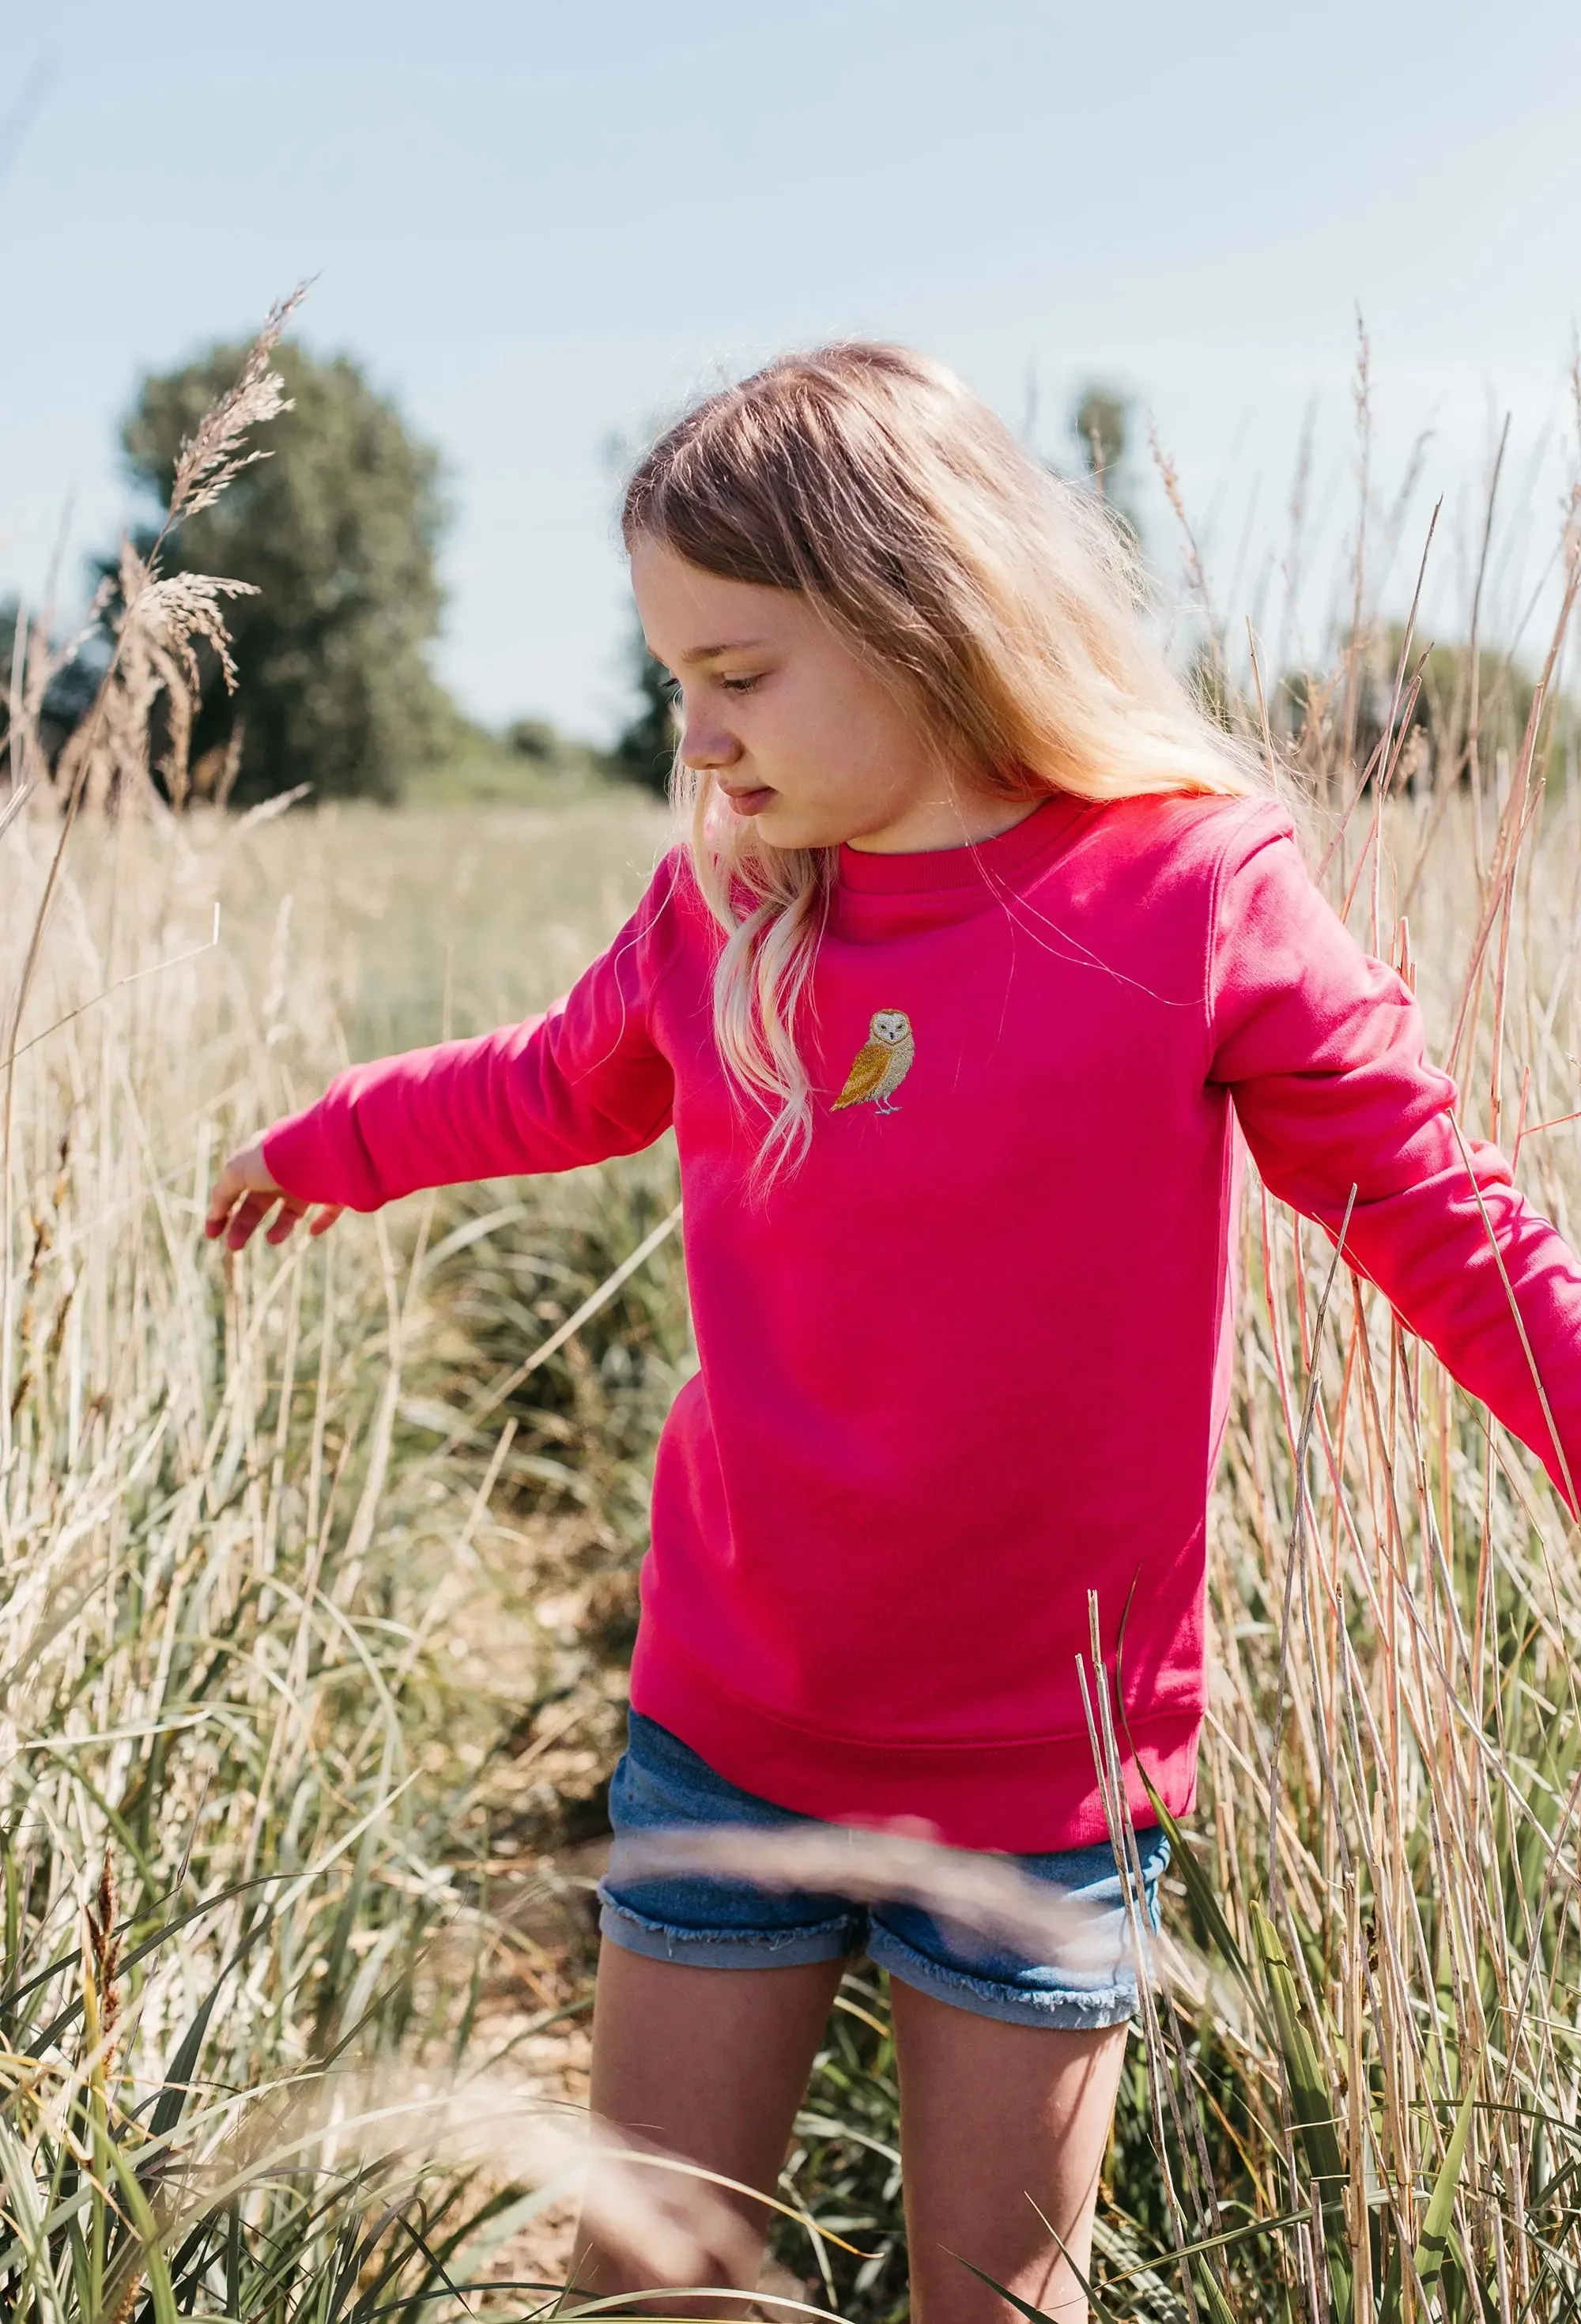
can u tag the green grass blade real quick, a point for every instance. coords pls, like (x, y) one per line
(1433, 2242)
(1040, 2315)
(1311, 2096)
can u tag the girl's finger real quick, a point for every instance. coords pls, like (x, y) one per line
(246, 1218)
(326, 1218)
(227, 1187)
(285, 1218)
(244, 1177)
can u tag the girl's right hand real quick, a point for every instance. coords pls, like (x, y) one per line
(244, 1192)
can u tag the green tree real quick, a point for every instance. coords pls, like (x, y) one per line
(338, 530)
(1441, 711)
(1100, 422)
(66, 698)
(644, 752)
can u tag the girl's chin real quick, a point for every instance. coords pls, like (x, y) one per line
(775, 820)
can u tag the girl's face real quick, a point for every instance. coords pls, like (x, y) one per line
(797, 731)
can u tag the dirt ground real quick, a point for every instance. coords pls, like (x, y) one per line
(538, 1634)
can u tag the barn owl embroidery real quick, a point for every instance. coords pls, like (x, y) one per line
(881, 1064)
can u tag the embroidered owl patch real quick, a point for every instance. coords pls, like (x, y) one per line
(881, 1064)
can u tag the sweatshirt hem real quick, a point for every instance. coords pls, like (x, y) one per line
(1026, 1795)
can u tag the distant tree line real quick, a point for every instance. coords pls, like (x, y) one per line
(337, 529)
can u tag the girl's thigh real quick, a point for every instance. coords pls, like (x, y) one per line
(708, 2064)
(1004, 2128)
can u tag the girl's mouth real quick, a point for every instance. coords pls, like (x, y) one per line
(750, 802)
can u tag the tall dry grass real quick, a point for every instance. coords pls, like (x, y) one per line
(240, 1752)
(246, 1515)
(302, 1566)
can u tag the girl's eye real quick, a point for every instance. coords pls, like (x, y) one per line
(737, 685)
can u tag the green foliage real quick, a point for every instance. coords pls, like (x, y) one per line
(338, 530)
(67, 695)
(1432, 703)
(105, 2212)
(1101, 425)
(844, 2169)
(535, 739)
(531, 765)
(645, 751)
(538, 747)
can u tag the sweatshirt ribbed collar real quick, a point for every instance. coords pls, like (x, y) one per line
(992, 862)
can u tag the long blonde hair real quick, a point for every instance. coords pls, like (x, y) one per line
(1004, 602)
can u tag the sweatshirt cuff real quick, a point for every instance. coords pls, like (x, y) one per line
(303, 1158)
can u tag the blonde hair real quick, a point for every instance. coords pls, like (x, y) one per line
(1005, 603)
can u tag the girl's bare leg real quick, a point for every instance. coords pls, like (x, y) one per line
(709, 2064)
(990, 2114)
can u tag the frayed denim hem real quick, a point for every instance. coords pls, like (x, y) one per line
(1058, 2009)
(825, 1941)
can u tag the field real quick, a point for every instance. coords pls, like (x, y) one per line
(318, 1594)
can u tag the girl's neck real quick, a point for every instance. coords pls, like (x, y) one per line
(959, 818)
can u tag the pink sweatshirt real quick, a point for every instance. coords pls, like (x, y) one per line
(972, 1359)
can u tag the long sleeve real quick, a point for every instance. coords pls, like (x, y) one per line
(1321, 1049)
(577, 1085)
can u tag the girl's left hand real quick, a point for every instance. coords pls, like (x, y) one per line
(246, 1191)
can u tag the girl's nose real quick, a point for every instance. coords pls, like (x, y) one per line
(706, 746)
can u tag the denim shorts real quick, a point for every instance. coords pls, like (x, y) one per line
(665, 1803)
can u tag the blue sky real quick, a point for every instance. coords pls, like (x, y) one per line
(541, 226)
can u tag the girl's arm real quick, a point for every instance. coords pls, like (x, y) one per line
(580, 1083)
(1321, 1049)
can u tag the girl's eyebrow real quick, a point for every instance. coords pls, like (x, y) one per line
(733, 645)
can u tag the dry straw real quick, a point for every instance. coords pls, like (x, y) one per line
(245, 1514)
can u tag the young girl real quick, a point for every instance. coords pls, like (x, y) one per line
(982, 944)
